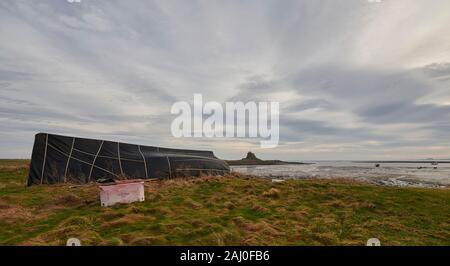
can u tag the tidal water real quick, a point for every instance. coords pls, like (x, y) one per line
(404, 174)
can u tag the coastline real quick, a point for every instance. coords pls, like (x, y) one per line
(251, 159)
(391, 175)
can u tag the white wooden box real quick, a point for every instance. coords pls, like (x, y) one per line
(121, 192)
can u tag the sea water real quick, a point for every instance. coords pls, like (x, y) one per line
(409, 174)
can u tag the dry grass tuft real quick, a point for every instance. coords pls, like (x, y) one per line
(272, 193)
(223, 210)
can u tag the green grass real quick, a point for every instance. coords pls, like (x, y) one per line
(231, 210)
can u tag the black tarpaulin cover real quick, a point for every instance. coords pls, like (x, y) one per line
(59, 159)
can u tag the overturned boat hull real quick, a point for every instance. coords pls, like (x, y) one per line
(60, 159)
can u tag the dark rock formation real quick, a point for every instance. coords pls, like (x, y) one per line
(251, 159)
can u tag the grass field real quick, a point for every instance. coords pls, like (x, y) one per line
(231, 210)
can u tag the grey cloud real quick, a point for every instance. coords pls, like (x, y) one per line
(309, 104)
(302, 129)
(437, 70)
(113, 69)
(11, 75)
(401, 112)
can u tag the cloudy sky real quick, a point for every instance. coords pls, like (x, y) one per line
(355, 80)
